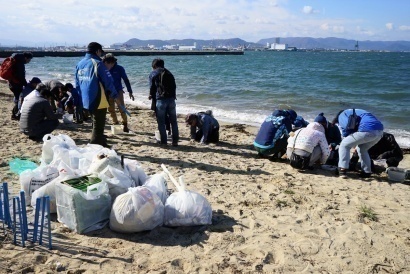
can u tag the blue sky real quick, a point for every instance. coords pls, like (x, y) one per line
(77, 22)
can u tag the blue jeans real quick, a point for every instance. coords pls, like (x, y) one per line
(363, 141)
(166, 107)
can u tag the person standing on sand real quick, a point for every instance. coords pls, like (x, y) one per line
(365, 133)
(165, 95)
(118, 74)
(95, 83)
(37, 117)
(19, 78)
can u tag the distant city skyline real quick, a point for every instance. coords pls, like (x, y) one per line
(46, 22)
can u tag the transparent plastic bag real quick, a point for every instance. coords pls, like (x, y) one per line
(158, 184)
(137, 210)
(185, 207)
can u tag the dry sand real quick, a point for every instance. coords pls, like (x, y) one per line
(267, 217)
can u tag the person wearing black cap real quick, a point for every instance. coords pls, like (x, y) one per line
(204, 127)
(26, 91)
(309, 145)
(95, 84)
(273, 134)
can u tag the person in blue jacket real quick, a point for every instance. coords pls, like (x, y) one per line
(363, 134)
(204, 127)
(119, 75)
(272, 138)
(95, 84)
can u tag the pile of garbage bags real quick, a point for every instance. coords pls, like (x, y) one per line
(91, 186)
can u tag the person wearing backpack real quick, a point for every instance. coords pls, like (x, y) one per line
(16, 74)
(309, 145)
(360, 129)
(273, 134)
(163, 89)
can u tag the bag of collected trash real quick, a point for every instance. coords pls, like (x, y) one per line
(137, 210)
(49, 141)
(31, 180)
(83, 207)
(102, 160)
(118, 181)
(135, 170)
(158, 185)
(185, 207)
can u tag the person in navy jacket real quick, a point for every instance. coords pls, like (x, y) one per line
(274, 132)
(367, 132)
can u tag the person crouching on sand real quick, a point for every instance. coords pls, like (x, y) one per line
(273, 134)
(204, 127)
(37, 116)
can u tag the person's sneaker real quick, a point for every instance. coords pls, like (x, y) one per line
(343, 173)
(364, 175)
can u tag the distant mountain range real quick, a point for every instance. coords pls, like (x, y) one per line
(298, 42)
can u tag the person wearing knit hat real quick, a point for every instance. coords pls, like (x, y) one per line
(309, 145)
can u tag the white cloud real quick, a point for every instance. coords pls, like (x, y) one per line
(338, 29)
(389, 26)
(405, 28)
(251, 20)
(325, 26)
(307, 9)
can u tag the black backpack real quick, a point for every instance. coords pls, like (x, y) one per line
(166, 84)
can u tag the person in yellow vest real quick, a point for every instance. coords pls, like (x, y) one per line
(95, 84)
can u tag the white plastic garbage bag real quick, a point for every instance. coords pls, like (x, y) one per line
(137, 210)
(185, 207)
(158, 184)
(118, 181)
(135, 170)
(102, 160)
(31, 180)
(49, 141)
(83, 211)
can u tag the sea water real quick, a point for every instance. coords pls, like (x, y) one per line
(246, 88)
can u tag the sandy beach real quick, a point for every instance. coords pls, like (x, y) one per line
(267, 217)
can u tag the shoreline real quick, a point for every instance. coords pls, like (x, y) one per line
(267, 217)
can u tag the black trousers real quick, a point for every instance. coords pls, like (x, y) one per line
(213, 136)
(42, 128)
(16, 89)
(98, 119)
